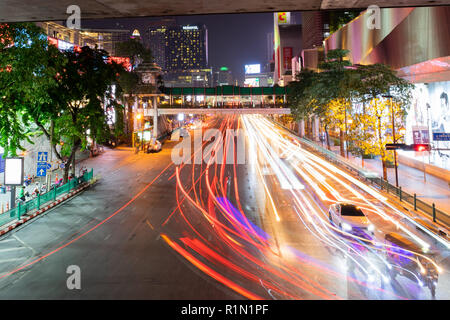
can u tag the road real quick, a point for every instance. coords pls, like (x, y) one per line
(151, 229)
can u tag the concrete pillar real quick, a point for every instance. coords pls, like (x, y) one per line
(316, 129)
(155, 117)
(135, 111)
(301, 128)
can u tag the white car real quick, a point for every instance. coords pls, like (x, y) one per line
(349, 218)
(184, 132)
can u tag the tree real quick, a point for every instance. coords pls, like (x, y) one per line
(137, 53)
(375, 119)
(41, 85)
(135, 50)
(28, 72)
(341, 92)
(83, 92)
(315, 92)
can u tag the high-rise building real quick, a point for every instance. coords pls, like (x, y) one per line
(177, 48)
(223, 77)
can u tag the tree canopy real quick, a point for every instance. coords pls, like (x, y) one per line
(42, 86)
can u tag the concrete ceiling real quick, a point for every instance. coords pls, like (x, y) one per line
(45, 10)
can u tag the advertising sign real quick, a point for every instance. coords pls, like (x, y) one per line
(13, 171)
(287, 58)
(251, 82)
(420, 135)
(284, 17)
(252, 68)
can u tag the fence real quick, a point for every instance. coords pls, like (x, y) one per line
(42, 199)
(373, 178)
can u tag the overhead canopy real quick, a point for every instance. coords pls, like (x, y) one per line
(46, 10)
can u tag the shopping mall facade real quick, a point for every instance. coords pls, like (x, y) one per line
(416, 43)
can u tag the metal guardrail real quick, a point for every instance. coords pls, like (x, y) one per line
(42, 199)
(374, 179)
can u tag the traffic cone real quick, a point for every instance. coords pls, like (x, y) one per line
(7, 206)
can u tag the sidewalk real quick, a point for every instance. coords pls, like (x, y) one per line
(5, 197)
(433, 190)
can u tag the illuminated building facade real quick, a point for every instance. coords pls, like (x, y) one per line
(177, 48)
(66, 38)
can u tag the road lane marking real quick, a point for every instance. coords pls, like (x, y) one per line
(12, 249)
(90, 230)
(149, 224)
(13, 259)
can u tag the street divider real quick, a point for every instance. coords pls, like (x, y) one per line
(47, 199)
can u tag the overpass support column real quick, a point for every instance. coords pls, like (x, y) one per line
(155, 117)
(301, 128)
(316, 129)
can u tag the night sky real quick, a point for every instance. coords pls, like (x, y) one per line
(233, 39)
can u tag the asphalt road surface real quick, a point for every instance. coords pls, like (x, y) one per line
(150, 229)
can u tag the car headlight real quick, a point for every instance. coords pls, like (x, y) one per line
(371, 228)
(346, 227)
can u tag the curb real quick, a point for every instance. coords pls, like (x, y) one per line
(43, 209)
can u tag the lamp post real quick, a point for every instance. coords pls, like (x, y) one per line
(393, 138)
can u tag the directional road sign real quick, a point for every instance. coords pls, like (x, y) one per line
(441, 136)
(42, 157)
(41, 170)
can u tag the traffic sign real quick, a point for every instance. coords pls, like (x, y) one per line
(62, 166)
(441, 136)
(41, 170)
(42, 156)
(49, 166)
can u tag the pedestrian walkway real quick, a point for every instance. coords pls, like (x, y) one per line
(429, 189)
(56, 174)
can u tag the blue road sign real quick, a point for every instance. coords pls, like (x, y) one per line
(49, 166)
(62, 166)
(42, 156)
(41, 170)
(441, 136)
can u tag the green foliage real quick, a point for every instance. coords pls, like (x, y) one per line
(339, 18)
(28, 69)
(333, 93)
(41, 85)
(135, 50)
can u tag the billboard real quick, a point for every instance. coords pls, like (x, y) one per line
(283, 17)
(251, 82)
(428, 118)
(287, 58)
(252, 68)
(13, 171)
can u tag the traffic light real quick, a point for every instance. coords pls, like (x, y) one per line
(421, 147)
(418, 147)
